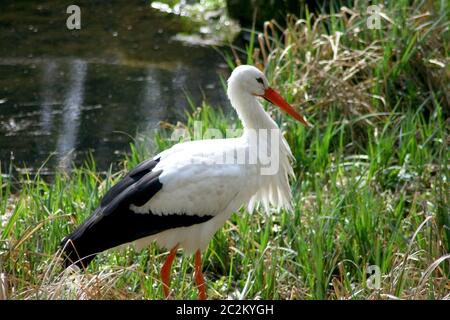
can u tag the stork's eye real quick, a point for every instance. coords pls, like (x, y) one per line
(260, 80)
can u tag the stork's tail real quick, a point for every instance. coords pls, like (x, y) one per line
(74, 255)
(78, 248)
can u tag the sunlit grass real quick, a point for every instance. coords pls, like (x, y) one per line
(371, 189)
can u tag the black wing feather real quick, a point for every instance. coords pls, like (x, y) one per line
(132, 177)
(113, 223)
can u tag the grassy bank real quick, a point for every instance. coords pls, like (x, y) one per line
(371, 189)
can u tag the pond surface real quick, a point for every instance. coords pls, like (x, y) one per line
(71, 92)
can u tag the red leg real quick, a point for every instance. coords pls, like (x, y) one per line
(165, 271)
(199, 280)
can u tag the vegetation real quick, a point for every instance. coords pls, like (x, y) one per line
(371, 189)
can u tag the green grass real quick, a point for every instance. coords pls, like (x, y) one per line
(372, 183)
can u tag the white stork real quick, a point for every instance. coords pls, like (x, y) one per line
(183, 195)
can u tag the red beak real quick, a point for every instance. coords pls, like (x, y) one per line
(275, 98)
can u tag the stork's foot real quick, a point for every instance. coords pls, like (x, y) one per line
(165, 271)
(199, 279)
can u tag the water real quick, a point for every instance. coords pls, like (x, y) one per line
(67, 93)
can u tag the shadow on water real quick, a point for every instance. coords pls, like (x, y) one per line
(71, 92)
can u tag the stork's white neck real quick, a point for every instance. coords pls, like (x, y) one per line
(250, 111)
(266, 186)
(273, 188)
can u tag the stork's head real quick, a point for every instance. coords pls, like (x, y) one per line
(247, 79)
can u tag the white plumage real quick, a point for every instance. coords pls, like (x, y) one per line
(194, 182)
